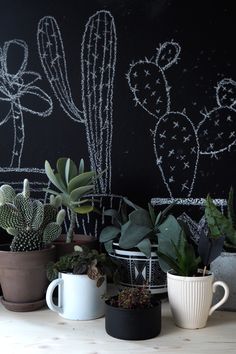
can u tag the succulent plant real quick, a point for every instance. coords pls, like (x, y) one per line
(73, 185)
(138, 228)
(31, 223)
(82, 261)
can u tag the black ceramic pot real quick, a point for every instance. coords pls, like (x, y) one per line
(138, 324)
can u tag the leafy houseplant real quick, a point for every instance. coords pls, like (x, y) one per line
(132, 241)
(83, 275)
(224, 266)
(190, 290)
(73, 185)
(134, 313)
(82, 261)
(137, 229)
(34, 226)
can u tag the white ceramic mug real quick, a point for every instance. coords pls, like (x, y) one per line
(79, 298)
(190, 299)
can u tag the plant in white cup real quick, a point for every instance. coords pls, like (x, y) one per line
(190, 285)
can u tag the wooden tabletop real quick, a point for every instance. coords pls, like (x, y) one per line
(46, 332)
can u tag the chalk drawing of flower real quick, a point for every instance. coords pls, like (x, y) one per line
(18, 89)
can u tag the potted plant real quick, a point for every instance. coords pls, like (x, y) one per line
(81, 280)
(224, 266)
(34, 226)
(73, 185)
(190, 285)
(133, 314)
(132, 242)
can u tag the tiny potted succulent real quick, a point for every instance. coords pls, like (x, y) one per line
(133, 314)
(190, 285)
(224, 266)
(132, 242)
(81, 277)
(73, 185)
(34, 226)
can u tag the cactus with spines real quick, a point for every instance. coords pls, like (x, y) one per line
(98, 60)
(32, 224)
(216, 131)
(147, 81)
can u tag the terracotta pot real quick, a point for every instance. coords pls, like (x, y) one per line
(63, 248)
(23, 278)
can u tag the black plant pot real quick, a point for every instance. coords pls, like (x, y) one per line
(133, 324)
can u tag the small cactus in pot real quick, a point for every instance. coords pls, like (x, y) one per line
(32, 224)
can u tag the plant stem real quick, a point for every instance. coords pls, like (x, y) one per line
(70, 232)
(204, 271)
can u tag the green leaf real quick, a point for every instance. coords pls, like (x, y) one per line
(109, 246)
(131, 204)
(61, 167)
(132, 234)
(167, 262)
(70, 170)
(230, 208)
(51, 176)
(76, 194)
(81, 180)
(152, 213)
(145, 246)
(81, 166)
(85, 209)
(109, 233)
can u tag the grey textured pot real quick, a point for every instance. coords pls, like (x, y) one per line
(224, 268)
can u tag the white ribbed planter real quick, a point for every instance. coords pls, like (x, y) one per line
(224, 268)
(190, 299)
(79, 298)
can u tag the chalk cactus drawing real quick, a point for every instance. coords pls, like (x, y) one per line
(177, 143)
(98, 59)
(15, 88)
(175, 140)
(217, 131)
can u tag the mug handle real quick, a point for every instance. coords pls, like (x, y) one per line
(49, 294)
(224, 298)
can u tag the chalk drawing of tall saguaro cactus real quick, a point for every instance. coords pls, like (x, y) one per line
(98, 59)
(15, 88)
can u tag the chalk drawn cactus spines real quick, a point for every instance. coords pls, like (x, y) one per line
(98, 59)
(19, 90)
(217, 130)
(147, 81)
(177, 150)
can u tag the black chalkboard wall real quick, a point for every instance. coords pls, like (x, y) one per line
(143, 88)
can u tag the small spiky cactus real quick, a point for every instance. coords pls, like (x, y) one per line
(31, 223)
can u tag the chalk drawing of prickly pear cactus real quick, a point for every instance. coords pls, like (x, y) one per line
(217, 130)
(147, 81)
(177, 149)
(98, 59)
(18, 89)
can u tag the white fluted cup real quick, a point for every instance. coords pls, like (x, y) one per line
(190, 299)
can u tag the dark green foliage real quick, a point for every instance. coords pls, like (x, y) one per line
(135, 229)
(174, 250)
(219, 224)
(132, 298)
(82, 261)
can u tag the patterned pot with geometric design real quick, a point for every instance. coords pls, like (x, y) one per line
(135, 269)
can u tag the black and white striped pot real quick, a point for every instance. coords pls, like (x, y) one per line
(136, 269)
